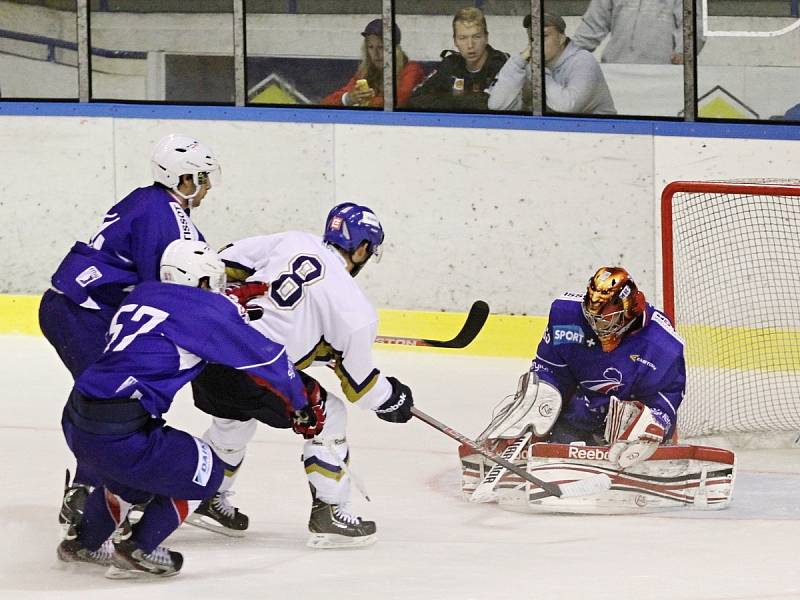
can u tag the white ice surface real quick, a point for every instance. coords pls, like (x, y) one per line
(432, 544)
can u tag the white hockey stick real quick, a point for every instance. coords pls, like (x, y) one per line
(484, 492)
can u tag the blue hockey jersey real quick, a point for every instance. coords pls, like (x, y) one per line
(126, 249)
(161, 337)
(647, 366)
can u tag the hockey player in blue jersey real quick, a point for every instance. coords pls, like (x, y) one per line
(95, 276)
(159, 339)
(609, 370)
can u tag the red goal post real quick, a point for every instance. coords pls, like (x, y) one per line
(731, 284)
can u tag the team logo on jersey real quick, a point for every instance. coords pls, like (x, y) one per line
(537, 366)
(185, 226)
(87, 276)
(638, 359)
(612, 381)
(205, 463)
(568, 334)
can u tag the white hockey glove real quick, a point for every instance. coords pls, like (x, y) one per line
(632, 431)
(536, 405)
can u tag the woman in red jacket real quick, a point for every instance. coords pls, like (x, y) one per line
(409, 74)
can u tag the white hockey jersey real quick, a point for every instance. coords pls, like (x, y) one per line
(314, 308)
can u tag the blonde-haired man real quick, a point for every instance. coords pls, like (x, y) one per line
(462, 78)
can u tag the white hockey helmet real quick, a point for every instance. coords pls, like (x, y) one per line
(188, 262)
(176, 155)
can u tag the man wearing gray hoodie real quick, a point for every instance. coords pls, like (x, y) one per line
(574, 82)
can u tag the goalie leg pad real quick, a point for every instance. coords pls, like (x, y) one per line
(675, 477)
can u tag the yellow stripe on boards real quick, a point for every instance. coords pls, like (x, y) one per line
(744, 348)
(503, 335)
(19, 315)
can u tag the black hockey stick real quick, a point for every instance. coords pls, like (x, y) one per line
(477, 316)
(583, 487)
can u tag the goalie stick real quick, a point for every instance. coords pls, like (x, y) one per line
(584, 487)
(477, 316)
(484, 492)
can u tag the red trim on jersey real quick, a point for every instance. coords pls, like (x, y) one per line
(113, 506)
(181, 508)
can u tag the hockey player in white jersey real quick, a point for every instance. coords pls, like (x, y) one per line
(315, 308)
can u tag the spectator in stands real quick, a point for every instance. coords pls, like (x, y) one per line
(409, 74)
(640, 31)
(462, 79)
(574, 82)
(793, 114)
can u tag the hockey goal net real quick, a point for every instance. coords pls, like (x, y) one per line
(731, 268)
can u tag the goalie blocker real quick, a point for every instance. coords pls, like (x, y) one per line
(673, 477)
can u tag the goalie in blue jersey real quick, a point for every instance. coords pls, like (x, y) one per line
(160, 339)
(608, 371)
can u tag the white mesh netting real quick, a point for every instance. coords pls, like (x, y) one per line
(736, 280)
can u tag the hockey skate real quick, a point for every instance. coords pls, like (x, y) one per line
(332, 526)
(74, 499)
(220, 516)
(71, 550)
(130, 562)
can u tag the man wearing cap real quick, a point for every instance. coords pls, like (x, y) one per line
(370, 73)
(462, 79)
(574, 82)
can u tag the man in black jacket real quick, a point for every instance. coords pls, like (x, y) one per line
(460, 81)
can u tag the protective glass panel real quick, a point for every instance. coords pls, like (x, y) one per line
(163, 51)
(312, 52)
(749, 67)
(38, 49)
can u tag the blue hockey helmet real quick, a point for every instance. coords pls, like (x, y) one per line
(349, 225)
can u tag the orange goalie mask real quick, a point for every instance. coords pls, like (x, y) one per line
(611, 305)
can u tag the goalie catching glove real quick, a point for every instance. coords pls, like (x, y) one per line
(633, 432)
(309, 420)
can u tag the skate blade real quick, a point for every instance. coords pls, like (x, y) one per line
(332, 540)
(211, 525)
(117, 573)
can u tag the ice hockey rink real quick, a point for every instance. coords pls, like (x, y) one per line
(432, 544)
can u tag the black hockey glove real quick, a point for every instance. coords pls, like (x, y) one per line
(309, 420)
(397, 409)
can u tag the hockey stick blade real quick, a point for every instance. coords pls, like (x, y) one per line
(478, 314)
(586, 487)
(484, 492)
(552, 489)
